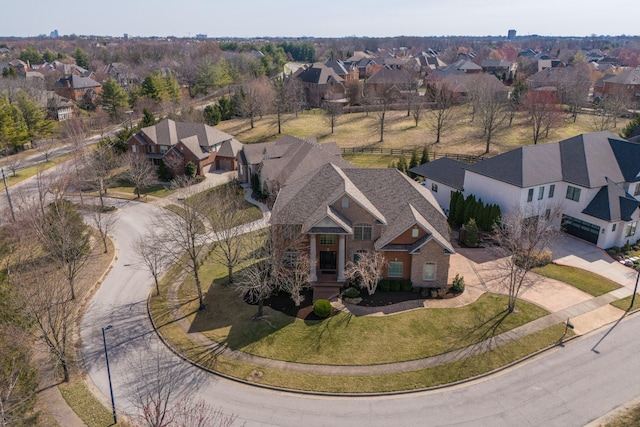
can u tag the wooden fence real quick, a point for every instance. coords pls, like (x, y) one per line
(466, 158)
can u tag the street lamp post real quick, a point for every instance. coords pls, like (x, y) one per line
(106, 356)
(130, 112)
(635, 290)
(6, 187)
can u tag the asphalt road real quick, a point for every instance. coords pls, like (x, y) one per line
(568, 386)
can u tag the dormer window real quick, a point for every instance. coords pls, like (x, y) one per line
(345, 203)
(414, 232)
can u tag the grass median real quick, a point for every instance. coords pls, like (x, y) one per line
(588, 282)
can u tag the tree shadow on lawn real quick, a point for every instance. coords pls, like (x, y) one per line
(232, 318)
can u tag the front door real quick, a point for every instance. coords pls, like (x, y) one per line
(328, 261)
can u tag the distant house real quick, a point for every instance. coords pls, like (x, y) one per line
(343, 213)
(177, 143)
(389, 80)
(320, 83)
(625, 84)
(460, 83)
(122, 74)
(349, 73)
(499, 67)
(593, 180)
(78, 88)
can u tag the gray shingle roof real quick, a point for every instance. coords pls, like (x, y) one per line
(320, 74)
(169, 132)
(584, 160)
(390, 196)
(612, 203)
(444, 170)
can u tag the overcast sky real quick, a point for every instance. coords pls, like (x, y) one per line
(328, 18)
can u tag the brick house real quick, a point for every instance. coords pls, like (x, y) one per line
(625, 84)
(343, 212)
(78, 88)
(320, 83)
(178, 143)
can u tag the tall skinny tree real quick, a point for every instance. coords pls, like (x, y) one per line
(113, 98)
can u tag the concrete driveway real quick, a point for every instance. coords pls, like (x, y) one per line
(574, 252)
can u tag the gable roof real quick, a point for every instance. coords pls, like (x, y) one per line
(612, 203)
(78, 82)
(319, 74)
(169, 132)
(444, 170)
(585, 160)
(396, 201)
(390, 76)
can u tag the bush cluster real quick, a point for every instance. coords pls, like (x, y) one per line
(458, 284)
(386, 285)
(461, 210)
(351, 293)
(322, 308)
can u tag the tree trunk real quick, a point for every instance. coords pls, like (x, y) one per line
(230, 272)
(260, 308)
(155, 278)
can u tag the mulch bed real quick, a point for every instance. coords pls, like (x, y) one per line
(282, 302)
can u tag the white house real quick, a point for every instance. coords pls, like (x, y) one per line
(592, 180)
(443, 177)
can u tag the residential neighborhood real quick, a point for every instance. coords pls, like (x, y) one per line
(307, 230)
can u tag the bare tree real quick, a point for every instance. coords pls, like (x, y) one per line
(295, 274)
(366, 271)
(227, 219)
(575, 91)
(332, 111)
(543, 111)
(103, 221)
(139, 171)
(52, 310)
(184, 236)
(154, 384)
(65, 238)
(441, 117)
(611, 106)
(151, 252)
(46, 147)
(354, 92)
(254, 98)
(521, 240)
(381, 101)
(489, 100)
(13, 162)
(100, 165)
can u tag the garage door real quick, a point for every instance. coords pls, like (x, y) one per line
(581, 229)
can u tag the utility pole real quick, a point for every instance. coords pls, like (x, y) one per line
(106, 356)
(6, 187)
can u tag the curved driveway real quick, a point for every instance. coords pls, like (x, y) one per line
(567, 386)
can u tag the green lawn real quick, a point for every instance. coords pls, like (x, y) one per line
(91, 411)
(625, 303)
(591, 283)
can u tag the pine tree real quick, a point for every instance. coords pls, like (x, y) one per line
(402, 164)
(469, 208)
(147, 119)
(452, 207)
(460, 205)
(471, 233)
(425, 155)
(413, 162)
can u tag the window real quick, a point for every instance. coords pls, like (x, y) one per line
(631, 229)
(434, 187)
(414, 233)
(637, 190)
(328, 239)
(530, 195)
(429, 271)
(134, 148)
(163, 149)
(362, 232)
(395, 269)
(573, 193)
(358, 254)
(613, 227)
(540, 193)
(345, 203)
(552, 189)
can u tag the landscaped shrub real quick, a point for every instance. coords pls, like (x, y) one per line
(406, 286)
(458, 284)
(322, 308)
(394, 285)
(384, 285)
(539, 259)
(190, 169)
(471, 235)
(351, 293)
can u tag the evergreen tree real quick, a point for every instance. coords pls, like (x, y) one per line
(49, 56)
(460, 204)
(227, 109)
(82, 59)
(9, 73)
(212, 115)
(496, 215)
(469, 208)
(30, 55)
(631, 127)
(413, 162)
(113, 97)
(402, 164)
(471, 234)
(190, 169)
(147, 119)
(452, 207)
(425, 155)
(477, 213)
(34, 117)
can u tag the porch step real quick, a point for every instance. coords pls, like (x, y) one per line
(326, 291)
